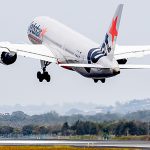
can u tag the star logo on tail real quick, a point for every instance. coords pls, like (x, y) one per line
(113, 31)
(44, 30)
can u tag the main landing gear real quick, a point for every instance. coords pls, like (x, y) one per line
(102, 80)
(45, 75)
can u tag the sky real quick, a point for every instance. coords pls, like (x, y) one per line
(18, 82)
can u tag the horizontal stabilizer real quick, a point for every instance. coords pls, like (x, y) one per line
(122, 52)
(84, 66)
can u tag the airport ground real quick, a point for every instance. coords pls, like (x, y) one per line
(59, 148)
(72, 145)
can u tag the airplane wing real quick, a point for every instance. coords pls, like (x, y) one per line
(122, 52)
(40, 52)
(130, 66)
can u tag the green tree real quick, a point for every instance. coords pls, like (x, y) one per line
(65, 129)
(43, 130)
(5, 130)
(27, 130)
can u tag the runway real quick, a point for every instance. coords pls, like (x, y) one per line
(98, 144)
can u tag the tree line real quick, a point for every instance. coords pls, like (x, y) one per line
(119, 128)
(105, 129)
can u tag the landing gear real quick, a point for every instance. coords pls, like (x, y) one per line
(95, 80)
(102, 80)
(45, 75)
(42, 76)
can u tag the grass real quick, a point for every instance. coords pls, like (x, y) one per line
(85, 137)
(141, 138)
(57, 148)
(94, 137)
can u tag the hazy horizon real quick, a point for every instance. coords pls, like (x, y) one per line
(77, 108)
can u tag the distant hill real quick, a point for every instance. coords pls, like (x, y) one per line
(121, 108)
(19, 118)
(80, 108)
(74, 111)
(139, 115)
(127, 107)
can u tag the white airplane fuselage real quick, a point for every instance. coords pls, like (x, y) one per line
(70, 47)
(53, 42)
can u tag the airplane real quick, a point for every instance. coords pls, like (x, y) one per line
(54, 42)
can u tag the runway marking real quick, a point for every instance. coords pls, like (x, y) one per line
(97, 144)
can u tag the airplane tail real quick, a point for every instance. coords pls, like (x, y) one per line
(109, 43)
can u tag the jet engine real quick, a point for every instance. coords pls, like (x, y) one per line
(122, 61)
(8, 58)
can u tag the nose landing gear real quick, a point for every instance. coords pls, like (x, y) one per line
(102, 80)
(96, 80)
